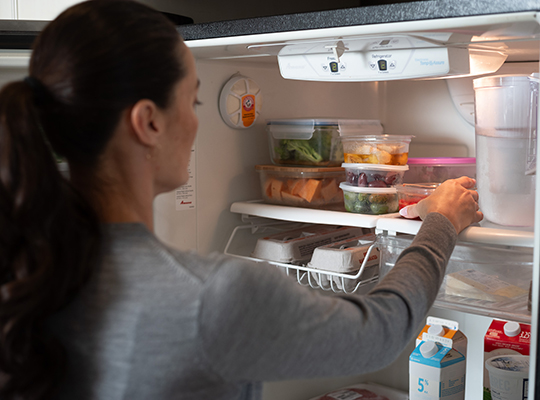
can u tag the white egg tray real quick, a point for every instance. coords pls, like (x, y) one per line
(350, 256)
(297, 246)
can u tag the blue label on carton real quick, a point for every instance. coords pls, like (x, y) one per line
(440, 360)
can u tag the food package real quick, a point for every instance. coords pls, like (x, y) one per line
(370, 391)
(478, 285)
(297, 246)
(345, 256)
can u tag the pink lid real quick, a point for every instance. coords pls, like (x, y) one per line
(442, 160)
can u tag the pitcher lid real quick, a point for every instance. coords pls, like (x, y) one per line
(501, 80)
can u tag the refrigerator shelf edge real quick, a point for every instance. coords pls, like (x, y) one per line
(486, 233)
(309, 215)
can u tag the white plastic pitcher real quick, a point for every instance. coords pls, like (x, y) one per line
(505, 123)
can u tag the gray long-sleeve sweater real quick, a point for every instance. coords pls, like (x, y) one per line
(155, 323)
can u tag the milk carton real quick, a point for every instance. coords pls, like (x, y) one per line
(443, 331)
(504, 338)
(436, 372)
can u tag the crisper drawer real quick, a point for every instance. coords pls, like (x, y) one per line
(480, 279)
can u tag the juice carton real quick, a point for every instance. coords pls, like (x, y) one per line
(441, 331)
(436, 372)
(504, 338)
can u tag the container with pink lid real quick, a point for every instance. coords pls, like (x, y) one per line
(439, 169)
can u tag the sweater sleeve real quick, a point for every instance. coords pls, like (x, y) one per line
(258, 324)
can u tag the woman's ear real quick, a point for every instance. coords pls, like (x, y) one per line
(147, 122)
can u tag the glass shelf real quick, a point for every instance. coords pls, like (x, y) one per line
(485, 232)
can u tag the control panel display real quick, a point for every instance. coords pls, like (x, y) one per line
(383, 66)
(334, 66)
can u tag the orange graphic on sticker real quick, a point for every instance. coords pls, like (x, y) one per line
(248, 110)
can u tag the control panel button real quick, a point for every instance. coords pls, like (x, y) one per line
(392, 64)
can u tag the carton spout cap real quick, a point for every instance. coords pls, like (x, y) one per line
(512, 329)
(437, 330)
(428, 349)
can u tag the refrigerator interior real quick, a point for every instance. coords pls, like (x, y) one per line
(223, 158)
(224, 161)
(224, 170)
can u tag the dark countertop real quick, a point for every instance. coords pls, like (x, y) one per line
(387, 13)
(19, 34)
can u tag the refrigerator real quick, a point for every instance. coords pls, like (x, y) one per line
(284, 62)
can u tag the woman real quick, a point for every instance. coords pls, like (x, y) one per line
(93, 306)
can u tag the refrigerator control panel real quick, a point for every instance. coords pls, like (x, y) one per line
(355, 59)
(372, 60)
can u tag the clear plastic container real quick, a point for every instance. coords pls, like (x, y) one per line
(302, 186)
(374, 175)
(369, 200)
(313, 142)
(439, 169)
(376, 149)
(505, 125)
(412, 193)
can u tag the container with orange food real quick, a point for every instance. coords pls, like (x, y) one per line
(376, 149)
(412, 193)
(310, 187)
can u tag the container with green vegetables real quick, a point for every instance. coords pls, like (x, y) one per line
(311, 141)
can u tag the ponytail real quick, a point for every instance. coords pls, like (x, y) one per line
(49, 241)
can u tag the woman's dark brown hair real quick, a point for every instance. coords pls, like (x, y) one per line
(90, 64)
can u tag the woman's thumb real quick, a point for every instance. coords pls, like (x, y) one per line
(409, 211)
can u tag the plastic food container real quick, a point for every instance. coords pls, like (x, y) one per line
(412, 193)
(508, 376)
(374, 175)
(439, 169)
(313, 142)
(369, 200)
(376, 149)
(302, 186)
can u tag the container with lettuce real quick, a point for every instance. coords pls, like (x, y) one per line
(305, 142)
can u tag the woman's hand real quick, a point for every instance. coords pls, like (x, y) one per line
(453, 199)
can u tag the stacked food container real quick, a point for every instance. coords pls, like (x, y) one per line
(307, 171)
(425, 174)
(375, 164)
(307, 155)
